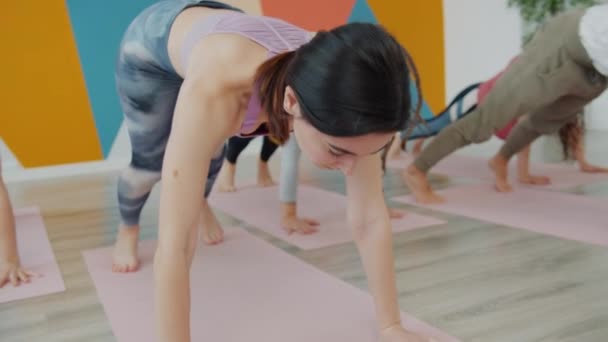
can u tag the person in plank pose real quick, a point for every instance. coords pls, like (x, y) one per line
(192, 74)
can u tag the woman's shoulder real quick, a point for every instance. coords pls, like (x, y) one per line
(230, 58)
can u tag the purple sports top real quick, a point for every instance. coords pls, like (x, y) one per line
(276, 35)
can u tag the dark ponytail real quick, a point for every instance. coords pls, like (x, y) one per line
(350, 81)
(271, 79)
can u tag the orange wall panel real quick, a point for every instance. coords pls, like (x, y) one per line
(418, 25)
(45, 117)
(312, 15)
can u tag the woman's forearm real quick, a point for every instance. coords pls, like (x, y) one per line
(8, 236)
(172, 296)
(375, 245)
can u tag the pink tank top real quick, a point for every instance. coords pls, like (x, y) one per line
(276, 35)
(483, 91)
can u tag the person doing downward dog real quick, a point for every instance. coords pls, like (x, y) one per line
(193, 74)
(562, 69)
(571, 136)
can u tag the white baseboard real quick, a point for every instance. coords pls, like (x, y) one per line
(13, 172)
(18, 174)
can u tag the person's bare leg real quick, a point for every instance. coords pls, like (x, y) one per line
(523, 170)
(225, 179)
(499, 165)
(134, 186)
(264, 175)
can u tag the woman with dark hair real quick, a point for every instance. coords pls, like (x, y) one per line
(193, 74)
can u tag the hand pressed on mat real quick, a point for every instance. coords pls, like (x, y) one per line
(14, 274)
(291, 223)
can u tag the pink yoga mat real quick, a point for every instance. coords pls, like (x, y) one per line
(260, 207)
(456, 165)
(244, 289)
(563, 215)
(36, 255)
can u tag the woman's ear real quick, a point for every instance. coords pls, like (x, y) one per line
(290, 102)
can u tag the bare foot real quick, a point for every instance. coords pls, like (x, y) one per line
(498, 164)
(212, 232)
(124, 257)
(304, 226)
(264, 176)
(535, 180)
(395, 213)
(420, 187)
(225, 179)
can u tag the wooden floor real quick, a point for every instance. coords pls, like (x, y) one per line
(475, 281)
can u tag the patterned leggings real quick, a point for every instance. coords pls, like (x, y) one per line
(148, 87)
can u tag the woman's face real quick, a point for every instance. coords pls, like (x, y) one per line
(329, 152)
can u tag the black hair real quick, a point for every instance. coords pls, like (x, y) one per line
(349, 81)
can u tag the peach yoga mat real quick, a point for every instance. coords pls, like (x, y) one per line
(562, 176)
(36, 255)
(260, 207)
(244, 289)
(563, 215)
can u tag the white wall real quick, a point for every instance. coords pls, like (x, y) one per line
(481, 37)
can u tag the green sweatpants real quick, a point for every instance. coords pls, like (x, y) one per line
(552, 80)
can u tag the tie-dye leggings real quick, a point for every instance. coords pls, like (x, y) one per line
(148, 86)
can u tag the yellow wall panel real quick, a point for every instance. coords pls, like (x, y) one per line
(45, 116)
(418, 25)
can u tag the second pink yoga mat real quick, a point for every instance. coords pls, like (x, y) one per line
(36, 255)
(558, 214)
(562, 176)
(244, 289)
(260, 207)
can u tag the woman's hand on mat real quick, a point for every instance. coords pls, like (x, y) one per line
(397, 333)
(593, 169)
(293, 224)
(13, 273)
